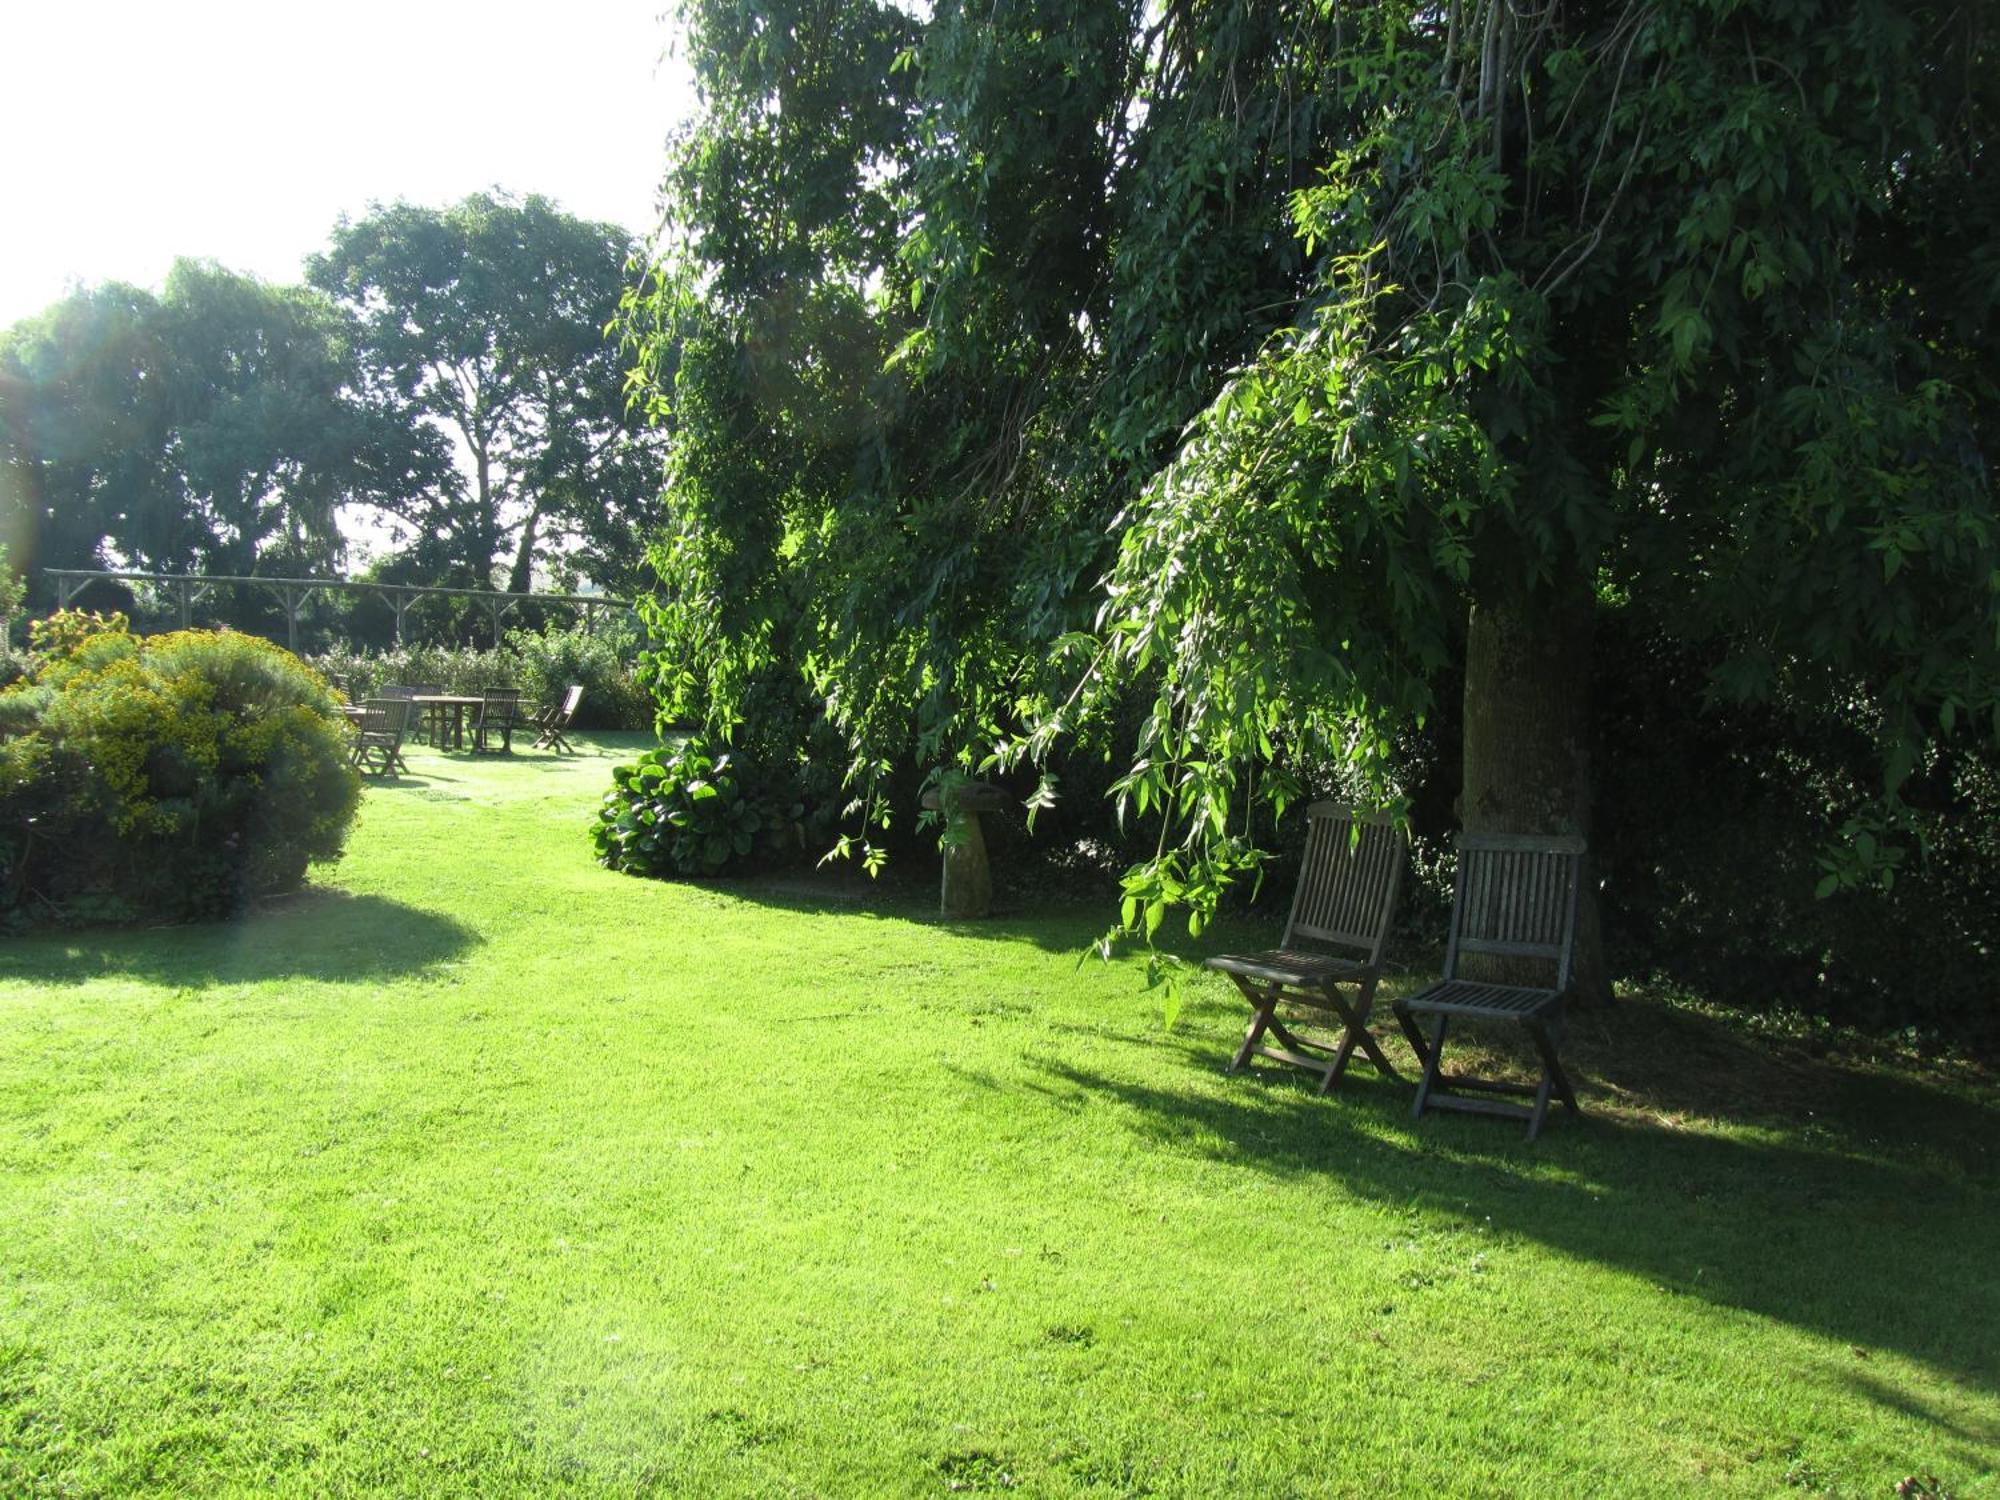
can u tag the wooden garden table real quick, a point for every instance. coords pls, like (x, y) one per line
(435, 704)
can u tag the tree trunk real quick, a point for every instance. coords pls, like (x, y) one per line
(521, 579)
(1527, 732)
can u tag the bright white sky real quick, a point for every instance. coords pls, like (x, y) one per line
(239, 132)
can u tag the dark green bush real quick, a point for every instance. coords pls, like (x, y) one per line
(690, 809)
(176, 776)
(1712, 820)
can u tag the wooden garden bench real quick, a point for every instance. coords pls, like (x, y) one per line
(378, 738)
(1515, 899)
(1345, 898)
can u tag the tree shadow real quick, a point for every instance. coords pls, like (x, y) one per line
(1876, 1248)
(912, 897)
(319, 933)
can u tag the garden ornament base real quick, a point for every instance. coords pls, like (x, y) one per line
(967, 886)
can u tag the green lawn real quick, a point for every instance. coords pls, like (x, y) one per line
(482, 1170)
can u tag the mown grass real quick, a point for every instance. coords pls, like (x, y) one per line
(482, 1170)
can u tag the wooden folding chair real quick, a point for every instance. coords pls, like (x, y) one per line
(499, 714)
(378, 739)
(553, 719)
(1345, 898)
(1515, 899)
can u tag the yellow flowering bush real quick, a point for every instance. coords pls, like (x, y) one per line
(169, 776)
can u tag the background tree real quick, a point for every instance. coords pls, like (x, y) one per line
(215, 428)
(488, 319)
(268, 436)
(83, 427)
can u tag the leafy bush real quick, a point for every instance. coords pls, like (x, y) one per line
(1714, 820)
(542, 664)
(691, 810)
(176, 776)
(602, 661)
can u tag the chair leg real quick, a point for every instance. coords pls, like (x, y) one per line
(1433, 1061)
(1261, 1010)
(1358, 1034)
(1552, 1068)
(1541, 1110)
(1341, 1055)
(1411, 1034)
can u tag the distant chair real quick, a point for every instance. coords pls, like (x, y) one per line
(378, 739)
(499, 713)
(433, 713)
(1515, 900)
(1346, 895)
(552, 719)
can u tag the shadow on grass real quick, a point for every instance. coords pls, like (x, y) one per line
(319, 933)
(1880, 1249)
(399, 781)
(906, 896)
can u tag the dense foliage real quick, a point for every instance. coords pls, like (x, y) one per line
(695, 809)
(174, 776)
(541, 663)
(1283, 370)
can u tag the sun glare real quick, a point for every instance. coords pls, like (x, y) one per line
(239, 132)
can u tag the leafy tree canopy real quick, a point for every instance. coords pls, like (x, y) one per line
(1281, 360)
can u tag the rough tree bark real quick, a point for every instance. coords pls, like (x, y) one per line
(1527, 731)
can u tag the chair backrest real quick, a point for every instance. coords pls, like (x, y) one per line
(426, 690)
(385, 718)
(1516, 897)
(398, 690)
(1347, 884)
(498, 704)
(570, 700)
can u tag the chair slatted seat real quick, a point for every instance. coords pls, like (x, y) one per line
(1346, 896)
(1515, 898)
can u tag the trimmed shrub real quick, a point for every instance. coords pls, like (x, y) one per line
(690, 809)
(173, 777)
